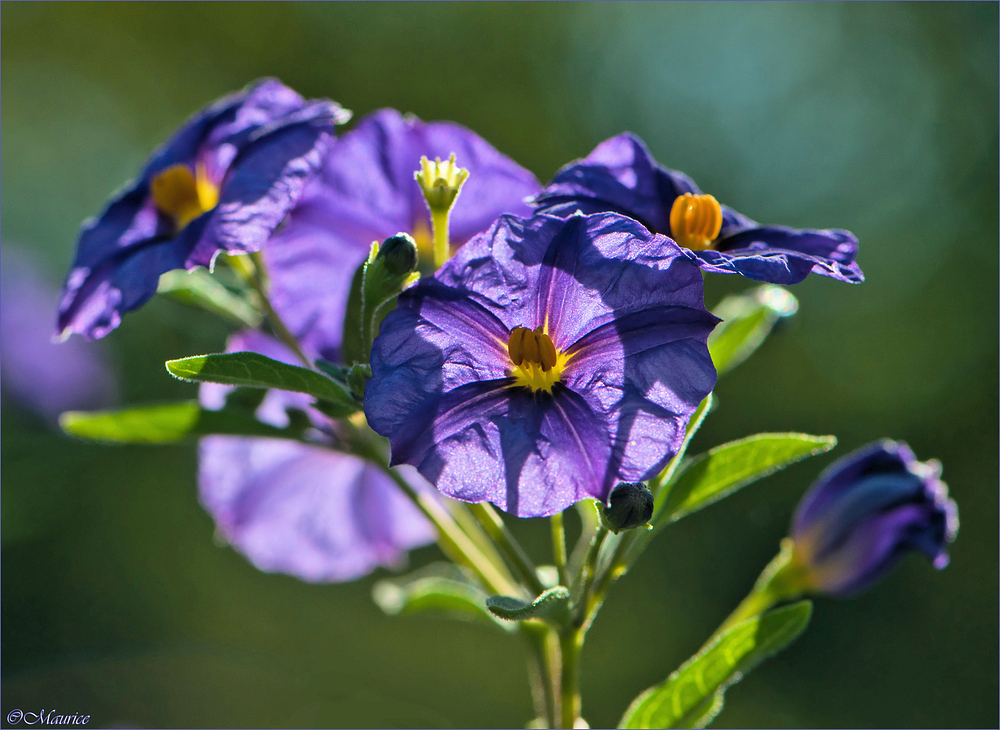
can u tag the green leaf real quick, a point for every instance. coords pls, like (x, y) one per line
(549, 604)
(694, 423)
(165, 423)
(693, 693)
(704, 713)
(198, 288)
(721, 471)
(438, 587)
(253, 370)
(747, 321)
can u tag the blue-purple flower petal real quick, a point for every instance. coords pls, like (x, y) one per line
(258, 147)
(621, 176)
(305, 510)
(36, 373)
(366, 192)
(308, 511)
(626, 304)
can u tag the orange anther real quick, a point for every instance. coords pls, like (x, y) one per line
(695, 221)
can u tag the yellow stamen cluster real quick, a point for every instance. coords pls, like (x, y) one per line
(695, 221)
(183, 195)
(538, 365)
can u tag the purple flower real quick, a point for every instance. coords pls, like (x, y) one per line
(223, 182)
(621, 176)
(547, 361)
(308, 511)
(867, 510)
(366, 193)
(40, 375)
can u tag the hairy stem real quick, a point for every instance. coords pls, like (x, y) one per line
(545, 654)
(251, 270)
(570, 645)
(512, 550)
(587, 575)
(472, 527)
(453, 541)
(559, 545)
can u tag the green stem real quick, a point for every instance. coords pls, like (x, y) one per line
(251, 270)
(753, 605)
(782, 580)
(453, 541)
(571, 645)
(559, 545)
(442, 246)
(512, 550)
(472, 527)
(545, 653)
(587, 575)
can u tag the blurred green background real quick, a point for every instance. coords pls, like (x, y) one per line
(879, 118)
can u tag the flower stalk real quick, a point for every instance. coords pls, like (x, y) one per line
(251, 270)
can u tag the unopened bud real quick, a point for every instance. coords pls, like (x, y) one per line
(399, 254)
(630, 505)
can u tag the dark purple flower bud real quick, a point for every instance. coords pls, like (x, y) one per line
(621, 176)
(865, 512)
(630, 505)
(223, 182)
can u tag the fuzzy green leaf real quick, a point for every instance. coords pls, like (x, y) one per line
(253, 370)
(551, 603)
(747, 321)
(164, 423)
(721, 471)
(692, 695)
(198, 288)
(438, 587)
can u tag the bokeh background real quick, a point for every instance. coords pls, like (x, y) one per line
(879, 118)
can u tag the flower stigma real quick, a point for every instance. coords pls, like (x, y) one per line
(695, 221)
(538, 365)
(440, 183)
(183, 195)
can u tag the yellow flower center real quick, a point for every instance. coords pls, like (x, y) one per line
(695, 221)
(182, 195)
(538, 365)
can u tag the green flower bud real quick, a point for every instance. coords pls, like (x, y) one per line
(630, 505)
(399, 254)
